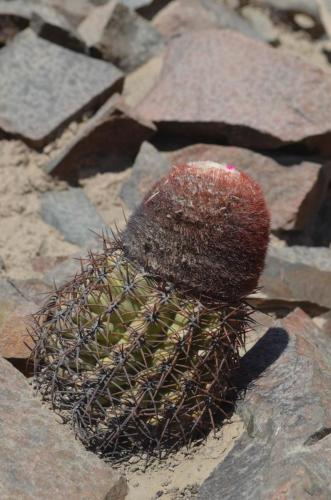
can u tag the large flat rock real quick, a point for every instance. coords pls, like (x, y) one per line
(40, 458)
(109, 141)
(285, 452)
(219, 84)
(44, 86)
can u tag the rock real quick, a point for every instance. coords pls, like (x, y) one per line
(218, 84)
(74, 10)
(138, 83)
(305, 6)
(110, 140)
(324, 7)
(150, 165)
(181, 16)
(285, 452)
(73, 215)
(294, 193)
(261, 23)
(149, 8)
(324, 322)
(40, 457)
(297, 275)
(26, 9)
(63, 272)
(44, 20)
(120, 35)
(18, 299)
(46, 86)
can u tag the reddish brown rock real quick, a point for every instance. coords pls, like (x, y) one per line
(110, 140)
(181, 16)
(287, 412)
(18, 299)
(40, 458)
(219, 84)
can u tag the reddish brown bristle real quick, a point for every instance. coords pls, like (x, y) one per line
(205, 227)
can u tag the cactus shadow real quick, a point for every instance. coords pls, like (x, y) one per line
(253, 365)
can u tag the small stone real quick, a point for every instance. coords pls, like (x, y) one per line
(45, 86)
(40, 457)
(204, 86)
(73, 215)
(120, 35)
(304, 22)
(110, 140)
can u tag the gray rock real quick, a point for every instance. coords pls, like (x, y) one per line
(44, 86)
(71, 213)
(181, 16)
(287, 413)
(262, 23)
(46, 21)
(150, 165)
(221, 85)
(26, 9)
(120, 35)
(320, 258)
(61, 273)
(298, 276)
(109, 141)
(40, 457)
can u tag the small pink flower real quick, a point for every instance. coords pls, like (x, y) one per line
(231, 167)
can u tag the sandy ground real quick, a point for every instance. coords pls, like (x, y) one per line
(180, 476)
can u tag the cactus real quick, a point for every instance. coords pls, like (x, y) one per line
(139, 348)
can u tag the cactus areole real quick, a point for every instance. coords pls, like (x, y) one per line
(138, 350)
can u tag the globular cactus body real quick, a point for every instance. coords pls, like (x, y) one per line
(139, 348)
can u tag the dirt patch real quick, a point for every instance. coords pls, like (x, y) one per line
(180, 475)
